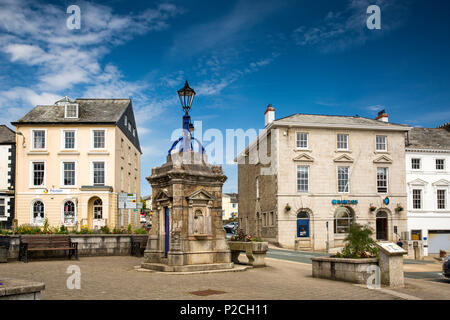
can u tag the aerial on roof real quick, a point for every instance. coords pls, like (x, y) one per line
(429, 138)
(7, 135)
(90, 111)
(318, 119)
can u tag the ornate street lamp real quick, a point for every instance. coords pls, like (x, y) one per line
(186, 95)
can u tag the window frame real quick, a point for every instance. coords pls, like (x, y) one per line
(63, 139)
(436, 164)
(71, 105)
(32, 218)
(347, 141)
(350, 218)
(420, 200)
(63, 185)
(385, 143)
(74, 212)
(444, 200)
(4, 205)
(44, 180)
(420, 163)
(92, 174)
(93, 138)
(32, 131)
(307, 181)
(297, 140)
(348, 179)
(387, 180)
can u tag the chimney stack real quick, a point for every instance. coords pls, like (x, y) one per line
(382, 116)
(269, 115)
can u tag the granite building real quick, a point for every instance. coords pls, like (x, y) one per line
(325, 173)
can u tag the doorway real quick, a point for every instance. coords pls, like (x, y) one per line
(167, 231)
(382, 225)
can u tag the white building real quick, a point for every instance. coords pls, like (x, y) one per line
(428, 187)
(229, 206)
(7, 176)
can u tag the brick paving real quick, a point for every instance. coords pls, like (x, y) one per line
(117, 278)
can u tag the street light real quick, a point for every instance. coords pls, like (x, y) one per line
(186, 95)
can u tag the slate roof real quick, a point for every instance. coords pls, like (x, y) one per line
(233, 197)
(429, 138)
(337, 121)
(90, 111)
(7, 135)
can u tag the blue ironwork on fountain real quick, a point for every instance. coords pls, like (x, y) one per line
(184, 143)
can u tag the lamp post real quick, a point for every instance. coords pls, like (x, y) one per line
(186, 95)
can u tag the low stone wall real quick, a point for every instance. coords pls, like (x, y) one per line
(342, 269)
(88, 245)
(15, 289)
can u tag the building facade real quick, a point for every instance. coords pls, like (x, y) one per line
(73, 159)
(428, 187)
(229, 206)
(307, 178)
(7, 176)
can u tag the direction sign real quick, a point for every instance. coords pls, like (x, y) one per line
(127, 201)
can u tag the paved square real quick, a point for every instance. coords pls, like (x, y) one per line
(117, 278)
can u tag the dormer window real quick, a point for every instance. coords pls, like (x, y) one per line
(71, 111)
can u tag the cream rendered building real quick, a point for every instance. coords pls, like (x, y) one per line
(229, 206)
(73, 158)
(325, 172)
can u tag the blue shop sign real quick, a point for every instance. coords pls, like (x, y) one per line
(344, 201)
(386, 201)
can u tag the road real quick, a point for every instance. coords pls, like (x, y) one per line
(414, 269)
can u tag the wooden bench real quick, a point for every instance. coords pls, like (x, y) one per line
(31, 243)
(138, 245)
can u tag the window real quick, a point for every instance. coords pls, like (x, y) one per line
(38, 139)
(343, 219)
(69, 139)
(69, 173)
(343, 179)
(415, 163)
(69, 213)
(417, 199)
(38, 173)
(441, 199)
(302, 178)
(2, 207)
(134, 132)
(71, 111)
(99, 173)
(342, 141)
(38, 212)
(125, 121)
(302, 140)
(129, 126)
(99, 139)
(381, 144)
(257, 188)
(272, 219)
(98, 209)
(382, 180)
(264, 219)
(233, 205)
(440, 164)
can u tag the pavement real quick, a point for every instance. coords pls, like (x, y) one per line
(116, 278)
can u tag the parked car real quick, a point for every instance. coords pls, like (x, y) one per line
(229, 231)
(446, 267)
(233, 225)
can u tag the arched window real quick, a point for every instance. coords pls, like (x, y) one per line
(38, 212)
(98, 209)
(303, 224)
(343, 219)
(69, 213)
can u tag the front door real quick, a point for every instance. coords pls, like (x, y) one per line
(382, 228)
(167, 231)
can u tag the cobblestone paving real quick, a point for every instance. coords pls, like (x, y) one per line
(116, 278)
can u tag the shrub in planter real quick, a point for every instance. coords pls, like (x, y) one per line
(359, 243)
(372, 208)
(140, 231)
(241, 236)
(442, 253)
(399, 209)
(287, 208)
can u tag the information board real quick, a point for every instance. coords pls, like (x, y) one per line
(127, 201)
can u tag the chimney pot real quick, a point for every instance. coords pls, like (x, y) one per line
(269, 115)
(382, 116)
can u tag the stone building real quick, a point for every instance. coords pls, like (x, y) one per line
(307, 178)
(428, 188)
(73, 159)
(7, 176)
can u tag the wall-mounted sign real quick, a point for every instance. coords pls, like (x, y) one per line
(344, 201)
(52, 191)
(386, 200)
(127, 201)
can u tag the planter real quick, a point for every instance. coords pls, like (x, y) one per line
(343, 269)
(255, 252)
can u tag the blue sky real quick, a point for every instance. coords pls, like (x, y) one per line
(301, 56)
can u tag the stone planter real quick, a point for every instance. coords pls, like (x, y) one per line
(15, 289)
(343, 269)
(255, 251)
